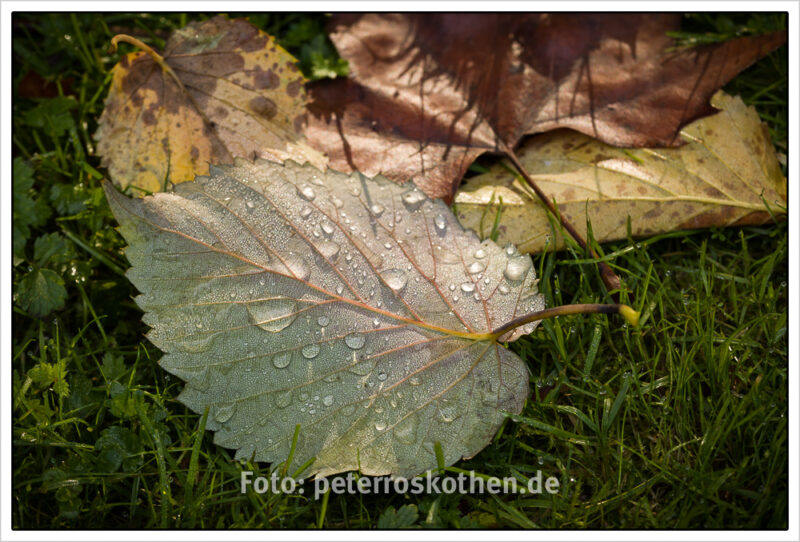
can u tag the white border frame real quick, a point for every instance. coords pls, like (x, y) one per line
(7, 7)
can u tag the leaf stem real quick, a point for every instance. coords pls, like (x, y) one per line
(625, 311)
(610, 278)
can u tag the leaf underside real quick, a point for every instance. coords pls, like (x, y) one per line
(354, 307)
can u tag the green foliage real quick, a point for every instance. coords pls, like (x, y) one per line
(698, 439)
(403, 518)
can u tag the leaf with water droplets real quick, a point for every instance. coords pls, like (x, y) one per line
(359, 309)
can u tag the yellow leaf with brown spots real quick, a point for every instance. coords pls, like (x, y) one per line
(221, 89)
(726, 174)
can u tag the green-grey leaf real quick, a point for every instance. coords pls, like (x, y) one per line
(356, 308)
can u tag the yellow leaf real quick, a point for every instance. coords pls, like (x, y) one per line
(222, 89)
(727, 174)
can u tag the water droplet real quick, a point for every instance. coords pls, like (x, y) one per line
(511, 250)
(337, 202)
(467, 287)
(355, 341)
(327, 400)
(377, 210)
(413, 199)
(395, 279)
(310, 351)
(376, 323)
(273, 315)
(223, 413)
(414, 381)
(479, 254)
(305, 212)
(451, 287)
(306, 192)
(349, 410)
(517, 267)
(327, 228)
(476, 267)
(363, 368)
(297, 266)
(405, 432)
(380, 426)
(323, 321)
(250, 204)
(197, 345)
(455, 298)
(503, 289)
(339, 289)
(282, 360)
(329, 250)
(448, 414)
(283, 399)
(381, 376)
(441, 223)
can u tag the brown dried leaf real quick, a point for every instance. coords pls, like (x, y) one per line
(429, 93)
(242, 96)
(717, 179)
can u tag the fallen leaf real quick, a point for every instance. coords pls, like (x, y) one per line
(728, 174)
(357, 308)
(232, 91)
(428, 93)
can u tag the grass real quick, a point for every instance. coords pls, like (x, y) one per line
(681, 423)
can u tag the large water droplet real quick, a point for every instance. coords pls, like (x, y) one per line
(283, 399)
(405, 432)
(272, 315)
(468, 287)
(517, 267)
(282, 359)
(329, 250)
(479, 254)
(305, 212)
(297, 266)
(476, 267)
(223, 413)
(377, 210)
(355, 341)
(380, 425)
(441, 223)
(448, 414)
(363, 368)
(198, 344)
(327, 228)
(306, 192)
(413, 199)
(310, 351)
(327, 400)
(323, 321)
(396, 279)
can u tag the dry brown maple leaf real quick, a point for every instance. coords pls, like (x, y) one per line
(429, 93)
(222, 89)
(727, 174)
